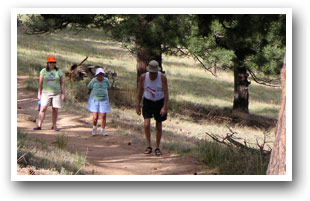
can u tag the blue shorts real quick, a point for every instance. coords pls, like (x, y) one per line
(98, 106)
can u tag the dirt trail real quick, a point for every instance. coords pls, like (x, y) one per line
(110, 155)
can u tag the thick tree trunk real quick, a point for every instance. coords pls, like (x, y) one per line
(277, 163)
(241, 92)
(144, 56)
(142, 61)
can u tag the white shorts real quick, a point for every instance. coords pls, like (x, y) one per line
(53, 99)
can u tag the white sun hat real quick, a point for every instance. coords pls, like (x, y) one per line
(153, 66)
(99, 70)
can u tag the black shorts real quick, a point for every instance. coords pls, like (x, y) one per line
(152, 109)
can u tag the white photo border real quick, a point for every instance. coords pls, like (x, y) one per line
(289, 167)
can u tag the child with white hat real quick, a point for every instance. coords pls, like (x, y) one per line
(98, 102)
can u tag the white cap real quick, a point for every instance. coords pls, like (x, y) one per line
(99, 70)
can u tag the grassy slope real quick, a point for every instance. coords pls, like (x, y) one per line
(190, 87)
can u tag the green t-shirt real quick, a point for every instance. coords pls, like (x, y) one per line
(51, 80)
(99, 90)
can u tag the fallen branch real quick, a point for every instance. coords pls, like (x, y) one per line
(233, 142)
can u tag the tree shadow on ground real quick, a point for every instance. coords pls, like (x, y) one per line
(197, 112)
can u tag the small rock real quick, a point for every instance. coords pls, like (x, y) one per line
(154, 169)
(19, 107)
(129, 143)
(195, 173)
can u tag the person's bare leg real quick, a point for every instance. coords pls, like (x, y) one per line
(147, 131)
(103, 117)
(41, 115)
(158, 133)
(54, 116)
(95, 118)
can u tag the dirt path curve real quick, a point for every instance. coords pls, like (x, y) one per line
(110, 155)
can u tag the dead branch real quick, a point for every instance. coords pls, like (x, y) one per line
(83, 61)
(216, 138)
(233, 142)
(22, 157)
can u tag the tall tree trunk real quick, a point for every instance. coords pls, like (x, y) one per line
(144, 56)
(213, 69)
(277, 163)
(241, 92)
(142, 61)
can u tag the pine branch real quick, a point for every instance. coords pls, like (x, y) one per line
(196, 58)
(260, 82)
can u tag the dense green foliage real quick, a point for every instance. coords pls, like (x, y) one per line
(254, 41)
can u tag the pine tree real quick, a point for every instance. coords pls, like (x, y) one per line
(242, 43)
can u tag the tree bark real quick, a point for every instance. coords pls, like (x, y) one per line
(277, 163)
(213, 69)
(241, 92)
(142, 62)
(144, 56)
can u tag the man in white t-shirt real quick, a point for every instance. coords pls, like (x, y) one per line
(154, 88)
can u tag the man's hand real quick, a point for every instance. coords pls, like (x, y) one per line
(163, 111)
(138, 110)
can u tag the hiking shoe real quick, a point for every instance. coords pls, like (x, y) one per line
(55, 128)
(37, 128)
(94, 131)
(158, 152)
(148, 150)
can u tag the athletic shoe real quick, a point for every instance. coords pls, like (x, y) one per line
(37, 128)
(103, 133)
(94, 132)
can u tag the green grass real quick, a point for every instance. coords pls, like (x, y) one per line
(62, 141)
(232, 160)
(195, 95)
